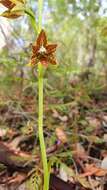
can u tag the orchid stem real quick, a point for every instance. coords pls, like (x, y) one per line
(40, 121)
(40, 89)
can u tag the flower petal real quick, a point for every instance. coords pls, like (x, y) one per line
(7, 3)
(42, 39)
(33, 61)
(12, 14)
(51, 48)
(35, 49)
(52, 60)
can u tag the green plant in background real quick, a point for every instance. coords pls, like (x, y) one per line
(42, 55)
(83, 46)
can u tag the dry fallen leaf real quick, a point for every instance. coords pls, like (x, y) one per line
(63, 174)
(105, 138)
(79, 151)
(91, 169)
(57, 115)
(61, 135)
(104, 163)
(19, 178)
(83, 181)
(93, 122)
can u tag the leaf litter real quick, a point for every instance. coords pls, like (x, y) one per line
(75, 134)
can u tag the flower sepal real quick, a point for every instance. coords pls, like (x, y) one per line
(12, 14)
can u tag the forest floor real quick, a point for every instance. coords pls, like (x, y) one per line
(75, 135)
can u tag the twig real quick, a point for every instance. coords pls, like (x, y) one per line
(91, 183)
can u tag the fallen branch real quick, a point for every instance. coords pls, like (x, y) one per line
(19, 160)
(13, 158)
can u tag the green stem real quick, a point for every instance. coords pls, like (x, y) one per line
(31, 15)
(40, 121)
(40, 86)
(40, 9)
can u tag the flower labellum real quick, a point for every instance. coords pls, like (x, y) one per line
(42, 52)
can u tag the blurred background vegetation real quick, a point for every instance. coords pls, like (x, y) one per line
(79, 27)
(72, 90)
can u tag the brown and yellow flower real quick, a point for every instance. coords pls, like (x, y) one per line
(42, 52)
